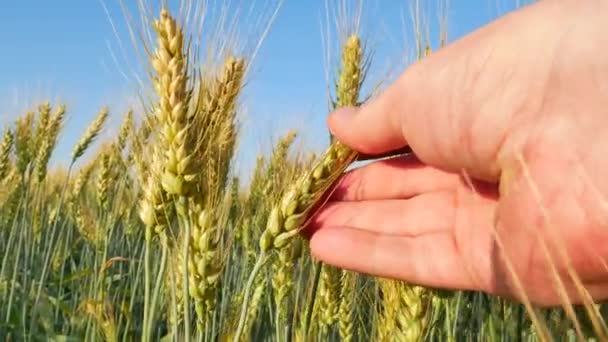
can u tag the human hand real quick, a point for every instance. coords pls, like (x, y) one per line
(508, 188)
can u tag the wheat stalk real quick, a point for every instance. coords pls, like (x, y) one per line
(173, 165)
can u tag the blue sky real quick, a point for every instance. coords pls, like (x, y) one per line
(67, 51)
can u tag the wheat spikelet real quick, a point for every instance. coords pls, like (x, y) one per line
(90, 134)
(5, 152)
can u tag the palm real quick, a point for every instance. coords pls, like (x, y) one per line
(399, 218)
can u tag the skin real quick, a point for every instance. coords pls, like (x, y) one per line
(506, 190)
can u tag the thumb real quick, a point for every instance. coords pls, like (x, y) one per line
(455, 108)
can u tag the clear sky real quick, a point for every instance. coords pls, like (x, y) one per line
(66, 50)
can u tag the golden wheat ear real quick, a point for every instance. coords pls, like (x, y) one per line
(5, 152)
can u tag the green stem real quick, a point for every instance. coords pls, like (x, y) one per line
(256, 269)
(49, 251)
(159, 277)
(182, 210)
(14, 276)
(174, 322)
(313, 295)
(147, 246)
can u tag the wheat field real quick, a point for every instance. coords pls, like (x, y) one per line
(150, 235)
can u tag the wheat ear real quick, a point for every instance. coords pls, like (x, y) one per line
(346, 308)
(404, 311)
(48, 139)
(171, 84)
(291, 213)
(5, 152)
(90, 134)
(24, 142)
(348, 87)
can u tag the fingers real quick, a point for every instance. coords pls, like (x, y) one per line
(430, 259)
(391, 153)
(423, 214)
(399, 177)
(456, 108)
